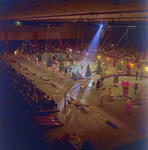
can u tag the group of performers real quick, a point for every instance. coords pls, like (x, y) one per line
(109, 95)
(19, 52)
(139, 74)
(68, 70)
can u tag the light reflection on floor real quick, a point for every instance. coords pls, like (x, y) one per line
(74, 94)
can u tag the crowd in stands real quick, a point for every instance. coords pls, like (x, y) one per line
(130, 54)
(18, 97)
(140, 58)
(21, 90)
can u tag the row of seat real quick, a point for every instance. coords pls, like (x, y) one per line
(18, 128)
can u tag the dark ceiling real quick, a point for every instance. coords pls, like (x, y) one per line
(75, 10)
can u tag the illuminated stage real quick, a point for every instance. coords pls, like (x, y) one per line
(90, 122)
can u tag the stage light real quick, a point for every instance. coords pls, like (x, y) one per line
(131, 65)
(18, 23)
(146, 68)
(107, 59)
(98, 57)
(15, 52)
(95, 41)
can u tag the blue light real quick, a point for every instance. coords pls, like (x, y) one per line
(101, 25)
(95, 41)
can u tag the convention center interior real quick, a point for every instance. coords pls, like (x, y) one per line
(73, 75)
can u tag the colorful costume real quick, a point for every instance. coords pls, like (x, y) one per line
(45, 68)
(101, 99)
(115, 82)
(53, 69)
(61, 76)
(128, 106)
(114, 63)
(105, 60)
(110, 95)
(70, 71)
(37, 62)
(28, 58)
(125, 91)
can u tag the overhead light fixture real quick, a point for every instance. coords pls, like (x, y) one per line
(18, 23)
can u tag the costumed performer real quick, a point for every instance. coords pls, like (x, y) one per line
(128, 106)
(116, 76)
(101, 98)
(61, 76)
(45, 66)
(98, 84)
(70, 70)
(53, 69)
(37, 62)
(110, 95)
(114, 62)
(28, 58)
(136, 87)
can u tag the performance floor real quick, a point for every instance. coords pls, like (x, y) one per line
(89, 123)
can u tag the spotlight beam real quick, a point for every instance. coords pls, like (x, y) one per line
(94, 42)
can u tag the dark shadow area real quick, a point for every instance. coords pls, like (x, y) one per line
(137, 145)
(87, 146)
(18, 130)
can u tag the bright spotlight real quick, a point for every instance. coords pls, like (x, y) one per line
(95, 41)
(18, 23)
(101, 25)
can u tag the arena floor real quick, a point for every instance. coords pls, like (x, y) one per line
(89, 123)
